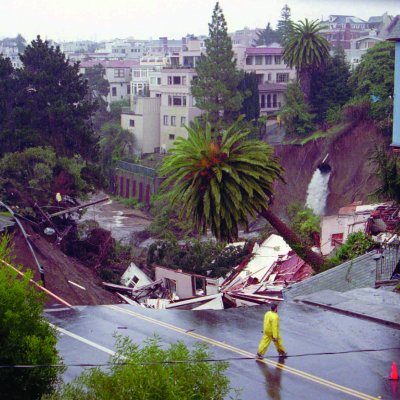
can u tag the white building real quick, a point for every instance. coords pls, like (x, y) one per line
(118, 74)
(11, 51)
(273, 74)
(177, 104)
(143, 120)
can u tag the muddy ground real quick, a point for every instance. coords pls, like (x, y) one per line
(63, 274)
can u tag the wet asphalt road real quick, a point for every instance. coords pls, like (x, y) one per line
(236, 333)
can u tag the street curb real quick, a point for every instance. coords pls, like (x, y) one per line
(392, 324)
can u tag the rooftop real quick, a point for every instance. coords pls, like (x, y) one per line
(110, 63)
(264, 50)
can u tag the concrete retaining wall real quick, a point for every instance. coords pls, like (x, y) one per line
(354, 274)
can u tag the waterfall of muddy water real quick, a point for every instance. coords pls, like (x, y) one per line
(317, 192)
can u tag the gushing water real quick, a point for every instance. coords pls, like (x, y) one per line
(317, 192)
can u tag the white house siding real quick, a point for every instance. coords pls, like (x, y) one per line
(170, 113)
(145, 113)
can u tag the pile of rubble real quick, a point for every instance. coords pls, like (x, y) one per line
(257, 280)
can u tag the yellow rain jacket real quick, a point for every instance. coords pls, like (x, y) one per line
(271, 332)
(271, 324)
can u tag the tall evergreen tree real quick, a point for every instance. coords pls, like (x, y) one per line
(216, 87)
(251, 103)
(283, 26)
(51, 108)
(329, 85)
(267, 36)
(7, 87)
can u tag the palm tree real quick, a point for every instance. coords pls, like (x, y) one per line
(305, 49)
(222, 181)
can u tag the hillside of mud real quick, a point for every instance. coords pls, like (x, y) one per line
(349, 156)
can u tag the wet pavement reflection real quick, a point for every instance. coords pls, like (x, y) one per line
(273, 377)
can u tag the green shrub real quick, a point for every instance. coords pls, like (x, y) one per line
(26, 336)
(148, 373)
(357, 244)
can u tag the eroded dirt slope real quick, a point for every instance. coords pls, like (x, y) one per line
(351, 178)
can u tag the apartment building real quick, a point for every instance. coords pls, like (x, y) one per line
(118, 74)
(143, 120)
(339, 30)
(272, 73)
(178, 106)
(11, 51)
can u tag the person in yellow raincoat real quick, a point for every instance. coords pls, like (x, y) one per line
(271, 332)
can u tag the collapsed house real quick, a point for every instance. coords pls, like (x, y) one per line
(259, 279)
(371, 219)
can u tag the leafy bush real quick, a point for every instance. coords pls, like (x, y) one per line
(295, 114)
(303, 221)
(357, 244)
(26, 336)
(149, 373)
(204, 258)
(334, 115)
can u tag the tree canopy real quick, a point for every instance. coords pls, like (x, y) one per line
(220, 182)
(48, 106)
(26, 336)
(329, 85)
(373, 79)
(305, 50)
(216, 85)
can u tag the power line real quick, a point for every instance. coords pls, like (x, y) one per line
(209, 360)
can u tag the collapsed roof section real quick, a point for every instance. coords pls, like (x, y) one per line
(259, 279)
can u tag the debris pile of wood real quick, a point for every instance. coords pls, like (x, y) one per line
(257, 280)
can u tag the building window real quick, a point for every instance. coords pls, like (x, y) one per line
(176, 80)
(269, 77)
(183, 121)
(177, 100)
(268, 59)
(184, 101)
(119, 73)
(336, 239)
(262, 101)
(136, 73)
(278, 59)
(128, 89)
(131, 122)
(171, 137)
(158, 81)
(165, 120)
(113, 91)
(259, 60)
(282, 78)
(169, 100)
(274, 101)
(183, 80)
(269, 101)
(249, 60)
(169, 80)
(173, 120)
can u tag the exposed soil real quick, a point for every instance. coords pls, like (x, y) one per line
(59, 269)
(352, 177)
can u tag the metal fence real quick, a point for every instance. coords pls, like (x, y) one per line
(386, 261)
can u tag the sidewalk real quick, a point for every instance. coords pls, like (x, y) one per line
(377, 305)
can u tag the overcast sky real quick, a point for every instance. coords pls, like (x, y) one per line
(144, 19)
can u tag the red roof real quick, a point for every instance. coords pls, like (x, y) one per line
(264, 50)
